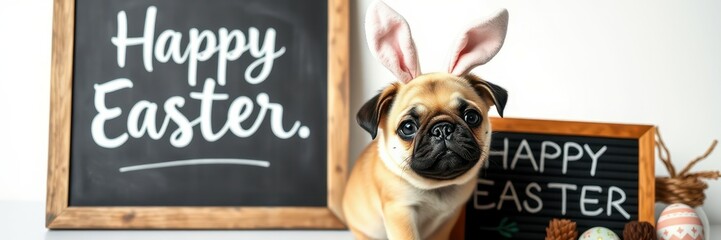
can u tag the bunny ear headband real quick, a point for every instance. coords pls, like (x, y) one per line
(389, 38)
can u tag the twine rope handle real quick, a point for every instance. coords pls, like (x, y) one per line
(699, 158)
(683, 187)
(665, 156)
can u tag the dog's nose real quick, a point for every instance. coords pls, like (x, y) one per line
(442, 130)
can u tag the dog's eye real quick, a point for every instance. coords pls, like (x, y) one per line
(472, 118)
(407, 129)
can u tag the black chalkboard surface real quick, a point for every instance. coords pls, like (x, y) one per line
(199, 103)
(594, 174)
(192, 104)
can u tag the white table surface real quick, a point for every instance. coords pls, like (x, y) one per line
(25, 220)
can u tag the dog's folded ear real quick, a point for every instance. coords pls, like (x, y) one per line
(486, 90)
(369, 115)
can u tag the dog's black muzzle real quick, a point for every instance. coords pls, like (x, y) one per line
(445, 151)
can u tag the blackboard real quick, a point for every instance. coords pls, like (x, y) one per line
(592, 173)
(190, 105)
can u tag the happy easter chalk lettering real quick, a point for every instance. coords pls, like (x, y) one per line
(568, 152)
(265, 54)
(167, 47)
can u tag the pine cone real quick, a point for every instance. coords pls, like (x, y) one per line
(639, 231)
(561, 229)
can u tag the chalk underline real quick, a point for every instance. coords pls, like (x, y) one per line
(202, 161)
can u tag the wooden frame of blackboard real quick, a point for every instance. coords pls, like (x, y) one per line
(645, 135)
(59, 215)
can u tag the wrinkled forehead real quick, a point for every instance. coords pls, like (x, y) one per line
(434, 92)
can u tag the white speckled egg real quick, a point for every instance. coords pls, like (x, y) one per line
(599, 233)
(679, 221)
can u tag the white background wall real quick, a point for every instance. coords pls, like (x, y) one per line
(646, 61)
(25, 36)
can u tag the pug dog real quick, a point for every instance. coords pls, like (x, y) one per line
(431, 133)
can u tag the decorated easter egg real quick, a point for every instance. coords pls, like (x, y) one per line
(599, 233)
(679, 221)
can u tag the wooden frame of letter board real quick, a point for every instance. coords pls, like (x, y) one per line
(645, 134)
(58, 215)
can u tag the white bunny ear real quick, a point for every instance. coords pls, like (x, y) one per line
(389, 38)
(479, 44)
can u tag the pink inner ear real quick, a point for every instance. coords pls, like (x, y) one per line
(389, 38)
(479, 44)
